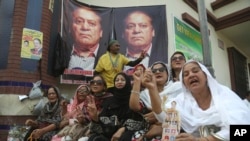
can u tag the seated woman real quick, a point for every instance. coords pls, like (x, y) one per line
(47, 123)
(116, 120)
(204, 104)
(99, 94)
(75, 118)
(140, 100)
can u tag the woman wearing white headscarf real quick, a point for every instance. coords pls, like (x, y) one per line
(140, 100)
(204, 102)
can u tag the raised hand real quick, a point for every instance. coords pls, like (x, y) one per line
(148, 79)
(92, 110)
(138, 75)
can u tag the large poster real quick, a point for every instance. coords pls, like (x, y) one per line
(188, 40)
(32, 44)
(142, 29)
(88, 30)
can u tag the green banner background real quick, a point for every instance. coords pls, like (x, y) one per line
(188, 41)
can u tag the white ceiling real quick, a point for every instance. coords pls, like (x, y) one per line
(239, 35)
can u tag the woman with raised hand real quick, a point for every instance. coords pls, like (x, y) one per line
(204, 104)
(96, 101)
(130, 121)
(140, 101)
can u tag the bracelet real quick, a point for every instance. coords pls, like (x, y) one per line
(136, 92)
(217, 136)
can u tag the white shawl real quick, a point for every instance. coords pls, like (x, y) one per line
(171, 90)
(226, 108)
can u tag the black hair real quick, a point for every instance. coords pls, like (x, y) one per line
(144, 11)
(178, 52)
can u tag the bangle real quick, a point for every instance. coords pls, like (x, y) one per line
(136, 92)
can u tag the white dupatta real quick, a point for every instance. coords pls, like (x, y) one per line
(226, 108)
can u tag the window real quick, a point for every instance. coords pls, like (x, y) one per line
(238, 72)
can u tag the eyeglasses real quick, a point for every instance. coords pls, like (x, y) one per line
(178, 58)
(162, 69)
(97, 82)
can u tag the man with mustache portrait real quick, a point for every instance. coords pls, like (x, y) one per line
(86, 31)
(142, 30)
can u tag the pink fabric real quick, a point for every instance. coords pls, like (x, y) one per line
(72, 107)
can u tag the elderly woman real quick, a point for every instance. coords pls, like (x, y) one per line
(75, 116)
(204, 104)
(47, 123)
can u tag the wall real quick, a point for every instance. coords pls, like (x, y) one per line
(14, 80)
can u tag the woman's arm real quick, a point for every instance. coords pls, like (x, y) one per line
(116, 136)
(31, 123)
(150, 83)
(138, 60)
(134, 101)
(37, 133)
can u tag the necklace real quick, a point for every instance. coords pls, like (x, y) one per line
(114, 63)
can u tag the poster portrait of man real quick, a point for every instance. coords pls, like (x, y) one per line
(87, 31)
(142, 29)
(87, 34)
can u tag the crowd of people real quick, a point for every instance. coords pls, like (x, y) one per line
(118, 107)
(131, 93)
(134, 95)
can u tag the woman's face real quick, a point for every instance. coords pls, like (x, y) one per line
(97, 85)
(82, 93)
(177, 61)
(194, 78)
(52, 96)
(120, 82)
(160, 74)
